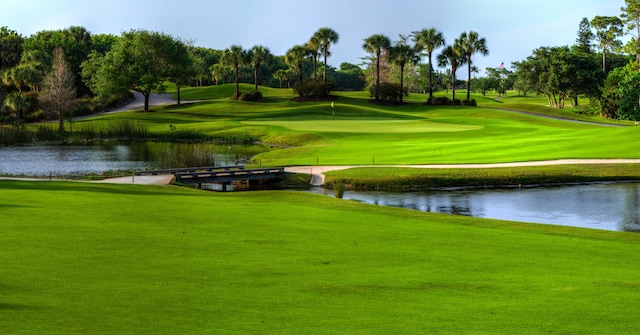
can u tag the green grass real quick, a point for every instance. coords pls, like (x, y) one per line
(82, 258)
(357, 131)
(414, 178)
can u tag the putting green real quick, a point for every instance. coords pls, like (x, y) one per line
(367, 126)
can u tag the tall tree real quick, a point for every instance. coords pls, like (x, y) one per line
(429, 40)
(376, 44)
(631, 16)
(295, 57)
(180, 67)
(59, 92)
(259, 54)
(313, 45)
(585, 36)
(608, 33)
(17, 103)
(140, 60)
(10, 48)
(326, 37)
(220, 72)
(402, 54)
(471, 43)
(452, 56)
(234, 57)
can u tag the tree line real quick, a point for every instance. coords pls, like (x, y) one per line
(598, 67)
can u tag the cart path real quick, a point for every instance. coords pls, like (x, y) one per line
(137, 103)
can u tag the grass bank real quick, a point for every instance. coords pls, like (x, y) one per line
(419, 178)
(83, 258)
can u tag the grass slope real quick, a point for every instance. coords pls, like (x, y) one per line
(122, 259)
(356, 131)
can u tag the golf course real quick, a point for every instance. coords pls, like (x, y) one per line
(87, 258)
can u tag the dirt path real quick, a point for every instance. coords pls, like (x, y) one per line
(317, 172)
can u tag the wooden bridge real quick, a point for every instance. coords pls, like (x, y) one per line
(188, 170)
(224, 175)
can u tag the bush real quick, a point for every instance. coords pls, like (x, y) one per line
(314, 89)
(471, 102)
(456, 102)
(389, 92)
(439, 101)
(251, 96)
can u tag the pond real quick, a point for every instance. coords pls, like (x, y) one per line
(607, 206)
(66, 160)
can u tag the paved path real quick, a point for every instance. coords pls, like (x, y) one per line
(137, 103)
(317, 172)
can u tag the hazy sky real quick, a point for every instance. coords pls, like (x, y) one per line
(513, 28)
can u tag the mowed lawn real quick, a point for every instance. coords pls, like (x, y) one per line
(80, 258)
(355, 131)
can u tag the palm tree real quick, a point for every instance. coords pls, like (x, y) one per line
(17, 103)
(375, 44)
(326, 37)
(429, 40)
(475, 70)
(280, 75)
(294, 58)
(470, 43)
(259, 55)
(400, 54)
(452, 56)
(314, 48)
(235, 56)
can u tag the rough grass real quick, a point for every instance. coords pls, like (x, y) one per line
(80, 258)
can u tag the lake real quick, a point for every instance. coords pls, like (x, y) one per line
(67, 160)
(607, 206)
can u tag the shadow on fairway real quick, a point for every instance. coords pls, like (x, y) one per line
(13, 307)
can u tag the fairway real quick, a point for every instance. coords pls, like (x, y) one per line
(366, 126)
(167, 260)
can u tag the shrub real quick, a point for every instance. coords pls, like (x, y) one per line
(389, 92)
(471, 102)
(456, 102)
(314, 89)
(439, 101)
(251, 96)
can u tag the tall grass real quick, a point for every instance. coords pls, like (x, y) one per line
(117, 129)
(182, 156)
(15, 135)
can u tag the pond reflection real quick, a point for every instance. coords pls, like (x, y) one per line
(96, 158)
(607, 206)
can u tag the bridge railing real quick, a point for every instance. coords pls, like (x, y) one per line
(189, 170)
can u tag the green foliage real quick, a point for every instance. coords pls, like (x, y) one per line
(251, 96)
(630, 97)
(314, 89)
(140, 60)
(471, 102)
(389, 92)
(439, 101)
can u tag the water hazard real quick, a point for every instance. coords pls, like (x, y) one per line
(608, 206)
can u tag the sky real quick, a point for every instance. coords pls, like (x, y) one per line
(512, 28)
